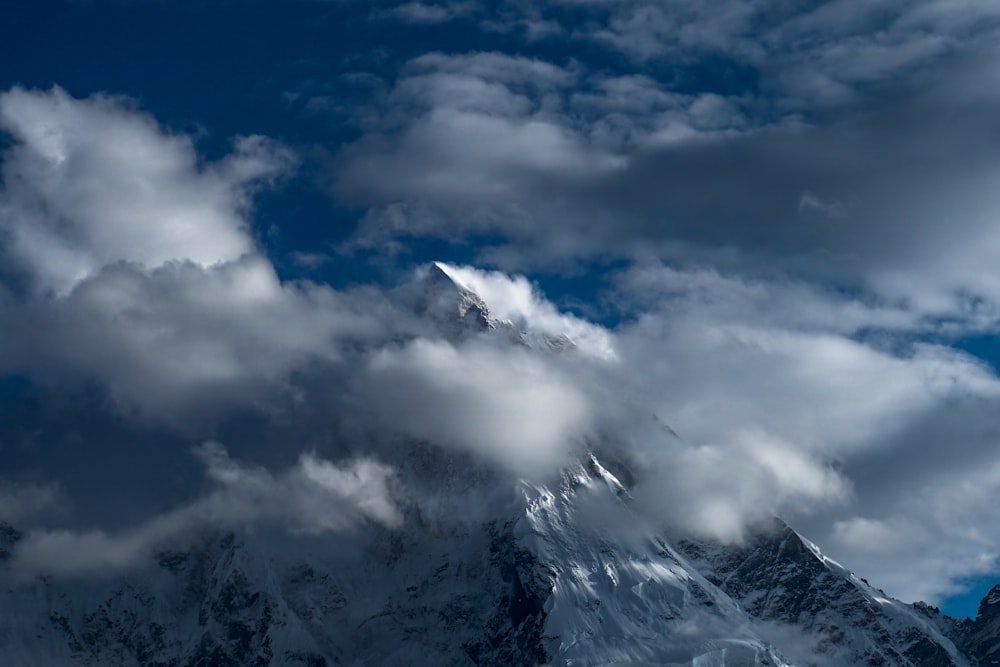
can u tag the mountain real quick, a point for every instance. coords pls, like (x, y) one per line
(564, 571)
(451, 305)
(539, 587)
(458, 312)
(978, 638)
(834, 618)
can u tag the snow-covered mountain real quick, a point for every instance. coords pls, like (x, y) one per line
(560, 572)
(541, 587)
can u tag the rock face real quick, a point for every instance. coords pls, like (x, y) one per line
(979, 638)
(9, 537)
(982, 639)
(626, 598)
(224, 603)
(784, 582)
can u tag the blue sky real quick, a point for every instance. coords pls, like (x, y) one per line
(773, 223)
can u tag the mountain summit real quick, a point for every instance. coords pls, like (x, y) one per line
(450, 303)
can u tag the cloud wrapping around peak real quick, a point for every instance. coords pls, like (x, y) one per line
(515, 299)
(802, 401)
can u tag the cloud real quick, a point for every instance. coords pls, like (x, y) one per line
(806, 402)
(507, 405)
(922, 525)
(841, 142)
(181, 339)
(20, 500)
(90, 183)
(313, 497)
(803, 56)
(724, 490)
(473, 137)
(137, 266)
(430, 13)
(749, 350)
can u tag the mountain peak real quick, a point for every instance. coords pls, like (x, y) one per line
(449, 301)
(441, 273)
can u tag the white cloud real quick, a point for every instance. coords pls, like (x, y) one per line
(90, 183)
(475, 137)
(506, 405)
(821, 408)
(723, 490)
(933, 532)
(143, 272)
(430, 13)
(841, 141)
(805, 56)
(182, 338)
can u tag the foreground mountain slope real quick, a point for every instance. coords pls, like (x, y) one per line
(621, 597)
(544, 586)
(571, 577)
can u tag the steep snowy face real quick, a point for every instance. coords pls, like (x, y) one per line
(620, 595)
(548, 584)
(820, 612)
